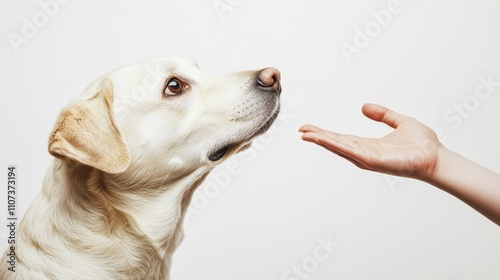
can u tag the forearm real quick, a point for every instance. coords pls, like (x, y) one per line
(475, 185)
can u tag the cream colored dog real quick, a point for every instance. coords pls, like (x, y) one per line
(130, 151)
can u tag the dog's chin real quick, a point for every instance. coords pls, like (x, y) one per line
(267, 124)
(236, 146)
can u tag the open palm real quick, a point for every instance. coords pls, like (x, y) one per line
(411, 150)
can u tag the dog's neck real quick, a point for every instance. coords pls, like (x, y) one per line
(159, 215)
(152, 220)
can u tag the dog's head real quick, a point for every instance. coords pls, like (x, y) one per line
(165, 117)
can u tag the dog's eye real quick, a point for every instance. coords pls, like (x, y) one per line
(173, 87)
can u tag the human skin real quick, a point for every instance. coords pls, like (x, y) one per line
(413, 150)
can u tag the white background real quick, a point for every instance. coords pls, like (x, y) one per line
(269, 216)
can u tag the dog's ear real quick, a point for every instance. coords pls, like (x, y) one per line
(86, 133)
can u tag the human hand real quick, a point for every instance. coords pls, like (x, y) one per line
(411, 150)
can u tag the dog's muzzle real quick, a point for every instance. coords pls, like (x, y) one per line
(267, 81)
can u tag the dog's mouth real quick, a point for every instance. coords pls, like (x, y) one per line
(220, 153)
(222, 150)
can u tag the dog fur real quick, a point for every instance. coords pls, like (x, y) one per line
(129, 153)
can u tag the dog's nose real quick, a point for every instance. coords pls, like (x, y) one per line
(269, 78)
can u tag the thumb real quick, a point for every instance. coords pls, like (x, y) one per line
(382, 114)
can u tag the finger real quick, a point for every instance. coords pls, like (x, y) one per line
(309, 128)
(382, 114)
(320, 140)
(322, 136)
(338, 153)
(344, 146)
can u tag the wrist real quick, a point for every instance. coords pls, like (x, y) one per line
(441, 170)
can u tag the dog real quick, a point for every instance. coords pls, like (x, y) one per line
(129, 153)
